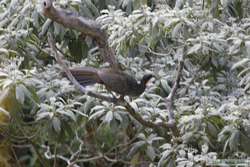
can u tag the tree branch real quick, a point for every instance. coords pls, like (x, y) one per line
(85, 26)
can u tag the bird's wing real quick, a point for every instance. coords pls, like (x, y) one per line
(114, 81)
(86, 75)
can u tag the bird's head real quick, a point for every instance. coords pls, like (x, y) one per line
(146, 78)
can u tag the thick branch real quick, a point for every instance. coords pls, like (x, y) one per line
(85, 26)
(72, 20)
(177, 81)
(71, 77)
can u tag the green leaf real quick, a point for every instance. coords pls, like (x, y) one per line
(240, 63)
(134, 106)
(165, 86)
(58, 30)
(247, 45)
(117, 116)
(88, 105)
(78, 50)
(68, 113)
(234, 140)
(108, 117)
(212, 130)
(194, 49)
(136, 147)
(225, 147)
(165, 158)
(80, 113)
(42, 115)
(97, 114)
(3, 75)
(245, 140)
(68, 128)
(31, 94)
(235, 47)
(151, 153)
(56, 123)
(2, 110)
(92, 8)
(6, 83)
(45, 27)
(20, 96)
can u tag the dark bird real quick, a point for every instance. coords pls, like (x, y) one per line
(114, 80)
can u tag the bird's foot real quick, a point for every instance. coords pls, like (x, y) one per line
(121, 100)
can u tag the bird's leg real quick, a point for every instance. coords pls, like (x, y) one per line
(120, 98)
(114, 97)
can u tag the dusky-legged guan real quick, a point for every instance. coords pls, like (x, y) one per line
(114, 80)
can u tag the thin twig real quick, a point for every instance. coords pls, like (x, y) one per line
(15, 156)
(48, 155)
(90, 159)
(175, 86)
(42, 161)
(76, 155)
(39, 156)
(55, 151)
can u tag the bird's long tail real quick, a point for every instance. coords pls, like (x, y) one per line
(85, 75)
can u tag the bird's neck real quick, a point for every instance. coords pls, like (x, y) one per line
(141, 87)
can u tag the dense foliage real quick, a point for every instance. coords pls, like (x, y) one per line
(44, 121)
